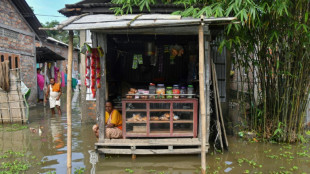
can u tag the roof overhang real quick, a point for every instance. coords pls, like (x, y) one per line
(133, 23)
(44, 54)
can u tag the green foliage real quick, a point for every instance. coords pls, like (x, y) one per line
(51, 172)
(13, 167)
(62, 36)
(129, 170)
(270, 43)
(14, 127)
(79, 170)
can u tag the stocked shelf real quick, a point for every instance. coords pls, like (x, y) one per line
(135, 110)
(183, 110)
(159, 110)
(184, 123)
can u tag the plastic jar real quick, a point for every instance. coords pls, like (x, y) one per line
(183, 91)
(176, 90)
(190, 90)
(169, 91)
(160, 91)
(152, 90)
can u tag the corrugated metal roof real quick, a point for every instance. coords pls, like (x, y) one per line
(56, 41)
(103, 7)
(30, 17)
(44, 54)
(106, 22)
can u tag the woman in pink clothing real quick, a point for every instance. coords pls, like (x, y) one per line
(40, 79)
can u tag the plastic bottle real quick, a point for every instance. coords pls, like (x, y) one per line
(190, 90)
(169, 91)
(152, 90)
(183, 91)
(160, 91)
(176, 90)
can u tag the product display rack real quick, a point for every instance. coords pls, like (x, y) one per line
(160, 117)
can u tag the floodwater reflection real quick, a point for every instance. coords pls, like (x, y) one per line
(46, 151)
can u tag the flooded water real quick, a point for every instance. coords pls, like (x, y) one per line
(30, 151)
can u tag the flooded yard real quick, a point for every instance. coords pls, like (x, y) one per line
(26, 149)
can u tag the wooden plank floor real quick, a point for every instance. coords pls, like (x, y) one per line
(150, 146)
(151, 142)
(149, 151)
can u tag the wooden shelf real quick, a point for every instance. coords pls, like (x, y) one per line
(159, 110)
(183, 110)
(176, 121)
(136, 122)
(183, 121)
(159, 121)
(183, 131)
(164, 126)
(135, 133)
(136, 110)
(160, 132)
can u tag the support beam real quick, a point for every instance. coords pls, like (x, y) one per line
(69, 94)
(202, 97)
(45, 87)
(102, 41)
(207, 78)
(84, 115)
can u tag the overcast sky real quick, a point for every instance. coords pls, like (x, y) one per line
(47, 10)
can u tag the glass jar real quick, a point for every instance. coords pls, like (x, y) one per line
(190, 90)
(176, 90)
(152, 90)
(160, 91)
(183, 91)
(169, 91)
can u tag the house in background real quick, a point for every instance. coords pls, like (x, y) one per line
(19, 36)
(61, 49)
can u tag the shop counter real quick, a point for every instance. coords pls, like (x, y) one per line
(160, 117)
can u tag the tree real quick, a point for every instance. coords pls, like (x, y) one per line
(61, 35)
(271, 40)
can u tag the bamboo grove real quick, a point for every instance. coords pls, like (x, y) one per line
(270, 43)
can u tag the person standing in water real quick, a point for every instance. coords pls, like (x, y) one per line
(54, 93)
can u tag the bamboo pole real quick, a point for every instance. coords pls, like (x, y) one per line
(44, 88)
(69, 94)
(202, 98)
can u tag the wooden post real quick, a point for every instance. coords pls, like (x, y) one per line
(69, 94)
(82, 78)
(202, 97)
(207, 78)
(102, 41)
(44, 88)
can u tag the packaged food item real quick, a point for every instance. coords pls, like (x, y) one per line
(169, 91)
(160, 91)
(154, 118)
(133, 90)
(152, 90)
(190, 90)
(176, 90)
(146, 92)
(183, 91)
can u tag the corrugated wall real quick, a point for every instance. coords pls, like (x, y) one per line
(219, 60)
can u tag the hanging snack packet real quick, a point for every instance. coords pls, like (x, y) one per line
(140, 59)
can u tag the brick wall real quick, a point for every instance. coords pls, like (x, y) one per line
(16, 37)
(9, 16)
(28, 72)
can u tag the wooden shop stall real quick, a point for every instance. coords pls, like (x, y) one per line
(157, 69)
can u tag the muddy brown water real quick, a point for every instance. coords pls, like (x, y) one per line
(46, 152)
